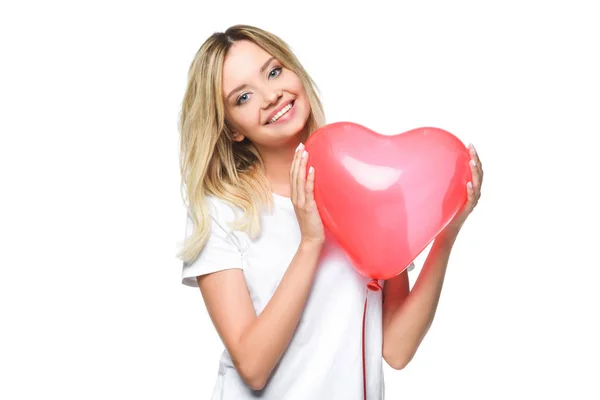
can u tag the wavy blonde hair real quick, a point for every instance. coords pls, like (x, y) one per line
(211, 162)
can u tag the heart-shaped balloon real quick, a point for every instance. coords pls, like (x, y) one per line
(385, 198)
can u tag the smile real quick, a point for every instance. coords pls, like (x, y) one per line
(281, 113)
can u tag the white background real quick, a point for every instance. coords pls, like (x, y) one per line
(91, 216)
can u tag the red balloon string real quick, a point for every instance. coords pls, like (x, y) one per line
(374, 286)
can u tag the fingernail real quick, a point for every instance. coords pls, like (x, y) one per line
(473, 163)
(470, 185)
(299, 147)
(304, 153)
(311, 170)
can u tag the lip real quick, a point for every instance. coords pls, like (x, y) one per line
(281, 107)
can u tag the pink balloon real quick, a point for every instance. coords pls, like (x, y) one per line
(385, 198)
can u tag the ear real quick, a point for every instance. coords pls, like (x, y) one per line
(237, 137)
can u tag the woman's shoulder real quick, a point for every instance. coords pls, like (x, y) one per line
(222, 210)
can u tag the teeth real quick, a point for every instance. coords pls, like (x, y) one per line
(280, 113)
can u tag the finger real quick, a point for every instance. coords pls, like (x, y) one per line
(470, 194)
(480, 175)
(474, 154)
(473, 195)
(476, 175)
(293, 192)
(301, 178)
(310, 186)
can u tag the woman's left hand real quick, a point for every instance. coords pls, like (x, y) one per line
(473, 193)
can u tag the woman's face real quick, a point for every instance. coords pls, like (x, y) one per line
(264, 102)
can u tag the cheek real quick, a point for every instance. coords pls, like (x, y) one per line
(299, 88)
(303, 96)
(292, 83)
(243, 118)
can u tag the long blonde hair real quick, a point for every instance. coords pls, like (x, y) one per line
(211, 162)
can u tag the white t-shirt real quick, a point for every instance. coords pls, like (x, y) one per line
(324, 358)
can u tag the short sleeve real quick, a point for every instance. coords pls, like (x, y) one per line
(222, 250)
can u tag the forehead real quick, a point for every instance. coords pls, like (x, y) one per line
(242, 63)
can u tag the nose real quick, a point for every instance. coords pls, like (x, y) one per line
(272, 96)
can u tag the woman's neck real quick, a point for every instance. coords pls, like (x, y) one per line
(277, 163)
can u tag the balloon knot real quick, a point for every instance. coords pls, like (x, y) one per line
(374, 285)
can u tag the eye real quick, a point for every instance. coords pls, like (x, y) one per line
(242, 99)
(275, 72)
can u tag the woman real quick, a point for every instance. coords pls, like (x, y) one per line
(283, 297)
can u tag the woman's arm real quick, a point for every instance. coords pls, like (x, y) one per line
(409, 313)
(407, 316)
(257, 343)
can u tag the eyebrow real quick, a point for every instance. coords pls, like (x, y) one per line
(262, 69)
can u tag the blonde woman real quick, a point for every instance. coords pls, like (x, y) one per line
(283, 297)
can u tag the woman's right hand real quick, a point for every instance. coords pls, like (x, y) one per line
(303, 199)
